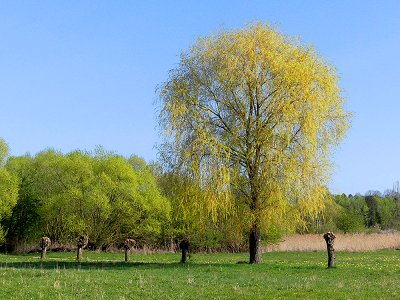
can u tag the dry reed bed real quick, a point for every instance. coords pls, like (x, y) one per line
(344, 242)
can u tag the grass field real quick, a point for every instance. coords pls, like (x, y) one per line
(282, 275)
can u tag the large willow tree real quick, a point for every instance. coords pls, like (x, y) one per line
(251, 116)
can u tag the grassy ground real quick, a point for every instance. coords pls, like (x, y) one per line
(282, 275)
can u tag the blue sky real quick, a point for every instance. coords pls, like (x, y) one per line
(76, 74)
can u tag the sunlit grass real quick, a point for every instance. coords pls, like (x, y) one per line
(371, 275)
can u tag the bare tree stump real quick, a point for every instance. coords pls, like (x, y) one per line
(81, 242)
(128, 244)
(184, 246)
(44, 243)
(330, 239)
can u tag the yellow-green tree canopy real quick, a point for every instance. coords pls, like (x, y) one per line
(252, 115)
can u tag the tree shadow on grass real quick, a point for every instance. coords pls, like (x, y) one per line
(121, 265)
(98, 263)
(103, 265)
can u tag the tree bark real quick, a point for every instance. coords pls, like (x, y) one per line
(44, 243)
(81, 243)
(79, 253)
(184, 246)
(330, 239)
(43, 253)
(184, 256)
(255, 230)
(254, 244)
(126, 254)
(128, 244)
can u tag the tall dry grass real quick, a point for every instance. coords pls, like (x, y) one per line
(343, 242)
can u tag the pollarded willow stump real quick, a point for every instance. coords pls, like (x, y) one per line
(330, 239)
(44, 243)
(81, 242)
(184, 246)
(128, 245)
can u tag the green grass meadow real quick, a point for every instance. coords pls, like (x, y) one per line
(282, 275)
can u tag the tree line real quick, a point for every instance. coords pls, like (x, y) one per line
(110, 198)
(362, 213)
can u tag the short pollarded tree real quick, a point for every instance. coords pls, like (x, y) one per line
(128, 245)
(45, 242)
(81, 243)
(251, 115)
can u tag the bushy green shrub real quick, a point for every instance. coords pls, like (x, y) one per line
(348, 221)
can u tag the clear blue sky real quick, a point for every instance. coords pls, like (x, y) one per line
(76, 74)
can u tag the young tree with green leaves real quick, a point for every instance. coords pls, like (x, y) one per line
(250, 115)
(101, 195)
(24, 223)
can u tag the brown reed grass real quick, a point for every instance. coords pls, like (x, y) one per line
(357, 242)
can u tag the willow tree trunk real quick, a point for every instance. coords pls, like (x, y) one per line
(79, 253)
(126, 254)
(255, 230)
(184, 256)
(184, 246)
(128, 244)
(330, 239)
(43, 253)
(254, 244)
(44, 243)
(82, 242)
